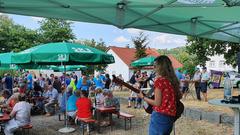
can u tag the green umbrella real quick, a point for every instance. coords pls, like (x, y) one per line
(214, 19)
(62, 53)
(146, 61)
(6, 62)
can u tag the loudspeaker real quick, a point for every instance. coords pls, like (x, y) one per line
(238, 61)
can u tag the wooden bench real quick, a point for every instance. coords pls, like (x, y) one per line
(26, 128)
(86, 122)
(126, 117)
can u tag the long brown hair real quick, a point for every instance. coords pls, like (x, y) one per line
(163, 67)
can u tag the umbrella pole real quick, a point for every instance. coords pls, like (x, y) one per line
(66, 129)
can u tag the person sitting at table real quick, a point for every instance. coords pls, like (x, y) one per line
(71, 104)
(110, 100)
(99, 96)
(84, 107)
(51, 101)
(37, 90)
(84, 84)
(6, 96)
(66, 94)
(12, 100)
(20, 116)
(22, 88)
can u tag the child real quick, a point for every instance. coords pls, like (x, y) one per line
(185, 84)
(133, 97)
(99, 96)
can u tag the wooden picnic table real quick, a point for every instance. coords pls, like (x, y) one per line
(101, 109)
(4, 118)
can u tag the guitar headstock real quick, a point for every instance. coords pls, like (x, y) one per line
(116, 80)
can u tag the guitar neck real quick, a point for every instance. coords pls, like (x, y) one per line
(115, 79)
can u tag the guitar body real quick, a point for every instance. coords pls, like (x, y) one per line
(179, 109)
(147, 107)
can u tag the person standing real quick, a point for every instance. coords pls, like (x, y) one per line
(9, 83)
(197, 80)
(179, 74)
(204, 83)
(29, 81)
(107, 81)
(166, 93)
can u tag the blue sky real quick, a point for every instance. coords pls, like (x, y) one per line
(111, 35)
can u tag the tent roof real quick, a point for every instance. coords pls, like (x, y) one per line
(215, 19)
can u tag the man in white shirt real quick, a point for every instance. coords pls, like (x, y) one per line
(197, 80)
(51, 101)
(20, 116)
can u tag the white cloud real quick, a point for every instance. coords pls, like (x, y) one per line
(121, 39)
(37, 18)
(134, 31)
(168, 40)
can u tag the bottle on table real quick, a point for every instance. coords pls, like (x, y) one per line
(227, 88)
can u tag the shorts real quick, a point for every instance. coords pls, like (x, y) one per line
(185, 89)
(132, 99)
(203, 86)
(139, 100)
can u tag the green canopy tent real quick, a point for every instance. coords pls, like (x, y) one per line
(146, 61)
(214, 19)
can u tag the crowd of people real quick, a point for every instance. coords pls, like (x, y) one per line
(200, 80)
(26, 94)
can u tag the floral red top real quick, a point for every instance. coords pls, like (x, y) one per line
(168, 104)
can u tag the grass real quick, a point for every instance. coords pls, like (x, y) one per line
(193, 103)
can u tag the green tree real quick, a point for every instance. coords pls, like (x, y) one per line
(203, 48)
(15, 37)
(101, 45)
(140, 42)
(180, 53)
(55, 30)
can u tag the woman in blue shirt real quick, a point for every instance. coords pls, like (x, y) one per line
(83, 84)
(71, 104)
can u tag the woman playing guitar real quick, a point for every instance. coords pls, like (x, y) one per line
(167, 94)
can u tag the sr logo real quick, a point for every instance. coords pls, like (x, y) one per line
(62, 57)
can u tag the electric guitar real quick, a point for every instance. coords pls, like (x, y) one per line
(147, 107)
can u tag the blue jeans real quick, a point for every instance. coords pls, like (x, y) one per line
(160, 124)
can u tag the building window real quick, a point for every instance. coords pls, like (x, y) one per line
(212, 64)
(221, 63)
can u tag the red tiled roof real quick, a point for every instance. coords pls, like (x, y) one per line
(127, 55)
(175, 62)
